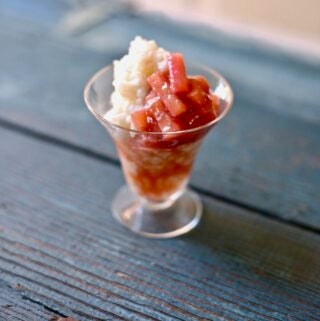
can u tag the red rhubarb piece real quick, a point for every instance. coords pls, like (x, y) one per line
(161, 86)
(177, 73)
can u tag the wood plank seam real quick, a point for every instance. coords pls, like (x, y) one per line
(6, 124)
(27, 279)
(46, 307)
(34, 312)
(73, 310)
(13, 303)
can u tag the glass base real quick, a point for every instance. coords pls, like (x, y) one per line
(177, 219)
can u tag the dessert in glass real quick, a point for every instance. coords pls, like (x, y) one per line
(157, 108)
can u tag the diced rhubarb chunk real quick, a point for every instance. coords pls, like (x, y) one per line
(195, 118)
(201, 82)
(177, 73)
(142, 121)
(198, 96)
(196, 93)
(157, 110)
(169, 107)
(168, 124)
(161, 86)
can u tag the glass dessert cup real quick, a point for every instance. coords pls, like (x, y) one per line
(157, 166)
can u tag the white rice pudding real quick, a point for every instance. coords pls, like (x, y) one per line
(130, 79)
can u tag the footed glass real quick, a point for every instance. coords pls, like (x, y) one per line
(157, 166)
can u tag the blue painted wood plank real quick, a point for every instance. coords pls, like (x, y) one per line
(61, 245)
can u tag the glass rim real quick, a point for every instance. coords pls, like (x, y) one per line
(103, 70)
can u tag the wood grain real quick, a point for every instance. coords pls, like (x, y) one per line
(16, 306)
(59, 242)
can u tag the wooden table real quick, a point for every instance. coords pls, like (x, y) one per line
(255, 255)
